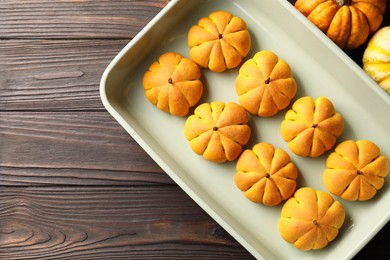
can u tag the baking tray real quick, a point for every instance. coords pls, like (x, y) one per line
(320, 69)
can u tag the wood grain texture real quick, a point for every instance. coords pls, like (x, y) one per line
(85, 148)
(107, 223)
(73, 183)
(47, 75)
(66, 19)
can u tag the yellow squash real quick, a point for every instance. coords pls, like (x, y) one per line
(376, 58)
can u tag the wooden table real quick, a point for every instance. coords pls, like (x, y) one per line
(73, 183)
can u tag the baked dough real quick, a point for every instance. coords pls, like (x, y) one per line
(355, 170)
(218, 131)
(311, 127)
(266, 174)
(173, 84)
(265, 84)
(311, 219)
(219, 41)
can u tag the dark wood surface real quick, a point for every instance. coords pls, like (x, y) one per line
(73, 183)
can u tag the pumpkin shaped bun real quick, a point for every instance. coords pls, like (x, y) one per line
(311, 126)
(266, 174)
(173, 84)
(218, 131)
(355, 170)
(347, 23)
(311, 219)
(219, 41)
(265, 84)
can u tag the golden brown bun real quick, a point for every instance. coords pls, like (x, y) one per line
(218, 130)
(355, 170)
(266, 174)
(219, 41)
(311, 219)
(311, 126)
(172, 84)
(265, 84)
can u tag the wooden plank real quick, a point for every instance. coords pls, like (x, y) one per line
(54, 75)
(153, 222)
(107, 223)
(76, 19)
(81, 148)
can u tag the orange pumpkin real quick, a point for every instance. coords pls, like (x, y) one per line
(348, 23)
